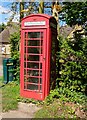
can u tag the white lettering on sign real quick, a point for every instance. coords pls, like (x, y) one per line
(35, 23)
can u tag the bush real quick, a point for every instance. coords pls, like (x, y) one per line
(72, 58)
(14, 40)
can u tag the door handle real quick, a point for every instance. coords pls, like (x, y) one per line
(44, 58)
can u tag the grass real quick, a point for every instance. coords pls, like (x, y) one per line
(10, 93)
(11, 96)
(1, 81)
(61, 110)
(56, 109)
(1, 94)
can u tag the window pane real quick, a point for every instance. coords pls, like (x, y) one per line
(33, 50)
(25, 50)
(41, 87)
(33, 43)
(24, 71)
(33, 58)
(33, 34)
(33, 72)
(32, 87)
(33, 65)
(40, 65)
(33, 80)
(40, 80)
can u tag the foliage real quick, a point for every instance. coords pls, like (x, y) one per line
(66, 95)
(14, 40)
(75, 12)
(2, 27)
(29, 100)
(72, 79)
(73, 65)
(60, 110)
(14, 9)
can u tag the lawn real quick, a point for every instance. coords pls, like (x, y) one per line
(1, 81)
(10, 93)
(62, 110)
(56, 109)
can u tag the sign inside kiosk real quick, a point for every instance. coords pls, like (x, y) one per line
(35, 23)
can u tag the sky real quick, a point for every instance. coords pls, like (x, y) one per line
(5, 12)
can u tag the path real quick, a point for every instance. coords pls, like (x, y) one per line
(25, 110)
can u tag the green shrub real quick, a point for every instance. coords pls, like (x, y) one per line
(72, 78)
(14, 40)
(73, 65)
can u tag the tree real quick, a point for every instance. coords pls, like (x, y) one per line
(14, 10)
(75, 13)
(56, 8)
(2, 27)
(14, 41)
(73, 54)
(21, 9)
(41, 7)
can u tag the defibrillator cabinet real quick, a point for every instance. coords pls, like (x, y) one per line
(38, 56)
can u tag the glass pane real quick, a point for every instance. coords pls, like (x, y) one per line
(33, 72)
(33, 65)
(33, 57)
(40, 73)
(24, 64)
(25, 50)
(34, 50)
(33, 34)
(40, 65)
(24, 71)
(25, 87)
(33, 43)
(32, 87)
(25, 43)
(32, 80)
(25, 79)
(41, 34)
(24, 56)
(41, 87)
(40, 80)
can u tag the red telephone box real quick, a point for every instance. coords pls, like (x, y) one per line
(38, 59)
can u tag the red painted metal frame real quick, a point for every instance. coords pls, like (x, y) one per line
(29, 93)
(46, 56)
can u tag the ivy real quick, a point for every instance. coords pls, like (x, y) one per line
(73, 64)
(14, 41)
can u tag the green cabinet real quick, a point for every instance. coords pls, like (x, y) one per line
(8, 69)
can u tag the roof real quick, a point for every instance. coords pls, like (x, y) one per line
(5, 34)
(40, 15)
(65, 30)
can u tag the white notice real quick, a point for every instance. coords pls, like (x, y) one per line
(34, 23)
